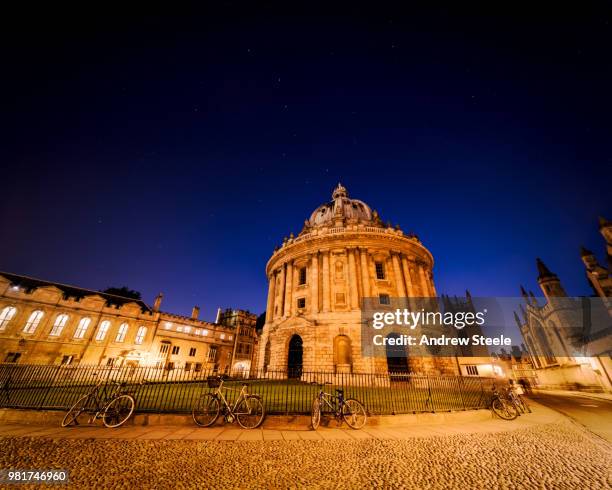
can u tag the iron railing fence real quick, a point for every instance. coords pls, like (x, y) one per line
(177, 390)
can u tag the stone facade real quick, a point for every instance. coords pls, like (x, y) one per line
(547, 330)
(48, 323)
(317, 280)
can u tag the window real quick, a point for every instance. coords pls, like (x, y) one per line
(175, 350)
(187, 329)
(33, 321)
(164, 348)
(212, 353)
(67, 360)
(110, 362)
(302, 276)
(301, 302)
(12, 357)
(222, 336)
(170, 366)
(192, 352)
(187, 366)
(471, 370)
(383, 299)
(104, 326)
(179, 328)
(204, 332)
(198, 331)
(140, 335)
(230, 337)
(59, 324)
(168, 326)
(380, 270)
(123, 328)
(82, 328)
(198, 367)
(6, 316)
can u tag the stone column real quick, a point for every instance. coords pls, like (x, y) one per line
(353, 279)
(407, 277)
(314, 283)
(424, 285)
(325, 285)
(289, 289)
(271, 291)
(281, 295)
(365, 267)
(397, 272)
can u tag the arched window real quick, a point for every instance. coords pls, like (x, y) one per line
(140, 335)
(6, 316)
(342, 352)
(58, 326)
(33, 322)
(104, 326)
(79, 333)
(123, 328)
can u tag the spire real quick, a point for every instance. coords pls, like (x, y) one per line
(543, 271)
(523, 292)
(585, 252)
(516, 319)
(339, 191)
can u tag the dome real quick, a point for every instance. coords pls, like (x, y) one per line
(342, 210)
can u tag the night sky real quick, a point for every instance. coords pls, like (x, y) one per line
(171, 151)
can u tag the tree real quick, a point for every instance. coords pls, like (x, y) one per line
(124, 291)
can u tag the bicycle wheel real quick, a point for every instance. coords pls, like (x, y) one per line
(504, 410)
(315, 413)
(526, 407)
(354, 413)
(118, 411)
(206, 410)
(250, 412)
(74, 416)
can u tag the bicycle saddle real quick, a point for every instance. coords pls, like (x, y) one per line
(339, 390)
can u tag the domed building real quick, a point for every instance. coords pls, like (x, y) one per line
(318, 279)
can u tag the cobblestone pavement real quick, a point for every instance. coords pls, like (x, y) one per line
(556, 455)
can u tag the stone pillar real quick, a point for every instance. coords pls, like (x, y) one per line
(353, 279)
(325, 286)
(271, 291)
(314, 283)
(289, 289)
(424, 285)
(281, 295)
(397, 272)
(365, 267)
(407, 277)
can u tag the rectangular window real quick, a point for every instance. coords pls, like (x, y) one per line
(67, 360)
(140, 335)
(12, 357)
(198, 367)
(383, 299)
(222, 336)
(472, 370)
(123, 328)
(212, 353)
(187, 366)
(170, 366)
(175, 350)
(164, 348)
(301, 303)
(192, 352)
(110, 362)
(302, 276)
(187, 329)
(380, 270)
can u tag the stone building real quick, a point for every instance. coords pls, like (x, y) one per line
(550, 330)
(317, 280)
(42, 322)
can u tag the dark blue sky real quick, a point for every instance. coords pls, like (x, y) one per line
(170, 151)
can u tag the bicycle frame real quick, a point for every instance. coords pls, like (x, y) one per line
(219, 393)
(326, 397)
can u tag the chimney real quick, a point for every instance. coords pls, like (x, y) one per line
(158, 301)
(218, 315)
(195, 313)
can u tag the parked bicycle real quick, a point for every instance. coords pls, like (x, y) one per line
(515, 395)
(248, 409)
(503, 407)
(351, 410)
(114, 408)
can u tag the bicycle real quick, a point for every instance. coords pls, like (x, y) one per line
(502, 407)
(114, 409)
(351, 410)
(248, 409)
(518, 401)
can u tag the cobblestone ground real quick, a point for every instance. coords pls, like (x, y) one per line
(555, 456)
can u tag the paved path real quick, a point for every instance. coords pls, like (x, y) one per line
(231, 432)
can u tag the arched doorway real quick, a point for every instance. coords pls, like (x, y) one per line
(294, 359)
(397, 358)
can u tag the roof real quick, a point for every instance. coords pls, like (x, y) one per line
(30, 283)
